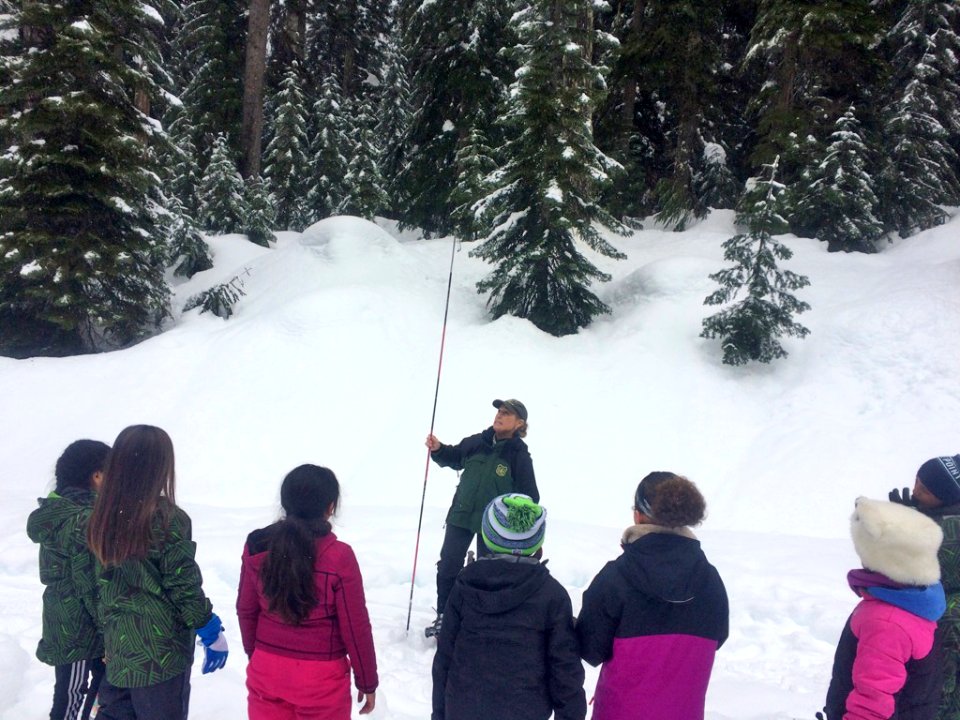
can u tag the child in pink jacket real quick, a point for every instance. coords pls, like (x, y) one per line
(886, 664)
(303, 616)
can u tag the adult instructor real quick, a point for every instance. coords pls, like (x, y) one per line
(493, 462)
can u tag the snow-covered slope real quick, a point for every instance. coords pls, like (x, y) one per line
(332, 358)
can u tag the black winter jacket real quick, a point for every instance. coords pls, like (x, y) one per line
(507, 649)
(490, 467)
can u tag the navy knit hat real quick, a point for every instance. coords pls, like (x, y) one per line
(941, 476)
(513, 524)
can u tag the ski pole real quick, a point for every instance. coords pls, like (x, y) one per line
(433, 417)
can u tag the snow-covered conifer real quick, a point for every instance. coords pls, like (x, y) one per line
(750, 328)
(394, 118)
(189, 253)
(286, 165)
(457, 72)
(328, 151)
(921, 120)
(839, 198)
(221, 193)
(81, 244)
(475, 162)
(714, 183)
(261, 215)
(544, 201)
(364, 195)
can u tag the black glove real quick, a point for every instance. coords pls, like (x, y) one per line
(903, 499)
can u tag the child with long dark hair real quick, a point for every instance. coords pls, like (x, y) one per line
(151, 595)
(302, 610)
(71, 640)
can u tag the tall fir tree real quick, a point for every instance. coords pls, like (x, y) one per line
(182, 170)
(811, 60)
(750, 328)
(221, 194)
(458, 71)
(545, 197)
(210, 47)
(364, 193)
(681, 46)
(714, 183)
(840, 193)
(329, 147)
(261, 215)
(81, 245)
(286, 165)
(921, 120)
(476, 163)
(394, 119)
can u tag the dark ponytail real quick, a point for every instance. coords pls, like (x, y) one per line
(307, 494)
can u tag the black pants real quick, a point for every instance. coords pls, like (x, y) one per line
(74, 689)
(456, 542)
(169, 700)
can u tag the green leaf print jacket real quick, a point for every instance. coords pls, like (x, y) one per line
(151, 607)
(70, 631)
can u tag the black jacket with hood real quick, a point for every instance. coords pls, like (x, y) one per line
(507, 649)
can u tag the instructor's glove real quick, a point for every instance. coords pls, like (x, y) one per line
(903, 498)
(214, 644)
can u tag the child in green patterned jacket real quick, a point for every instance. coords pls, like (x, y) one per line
(936, 493)
(71, 640)
(151, 598)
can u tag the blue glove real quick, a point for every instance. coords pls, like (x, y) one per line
(214, 644)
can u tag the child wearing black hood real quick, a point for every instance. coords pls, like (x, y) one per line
(71, 640)
(508, 649)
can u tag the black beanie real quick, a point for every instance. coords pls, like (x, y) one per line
(941, 476)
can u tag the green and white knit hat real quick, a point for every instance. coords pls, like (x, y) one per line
(513, 524)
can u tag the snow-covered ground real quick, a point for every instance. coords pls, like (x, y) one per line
(331, 358)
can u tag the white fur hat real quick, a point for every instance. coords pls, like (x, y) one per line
(897, 541)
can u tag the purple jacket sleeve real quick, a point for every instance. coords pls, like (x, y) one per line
(248, 603)
(355, 622)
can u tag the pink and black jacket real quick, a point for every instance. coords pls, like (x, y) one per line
(339, 625)
(888, 664)
(654, 618)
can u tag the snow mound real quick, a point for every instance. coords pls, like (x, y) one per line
(664, 278)
(346, 237)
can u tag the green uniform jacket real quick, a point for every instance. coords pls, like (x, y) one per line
(490, 468)
(151, 607)
(70, 631)
(948, 626)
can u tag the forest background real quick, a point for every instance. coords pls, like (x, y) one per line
(519, 126)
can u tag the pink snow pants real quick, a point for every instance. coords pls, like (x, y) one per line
(284, 688)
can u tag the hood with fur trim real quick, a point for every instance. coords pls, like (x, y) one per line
(897, 541)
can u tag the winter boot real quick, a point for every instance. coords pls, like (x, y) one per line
(434, 629)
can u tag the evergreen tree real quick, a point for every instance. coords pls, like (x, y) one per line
(344, 39)
(286, 161)
(749, 329)
(221, 194)
(81, 246)
(394, 120)
(328, 148)
(189, 253)
(210, 48)
(475, 163)
(181, 168)
(812, 60)
(840, 194)
(261, 216)
(681, 47)
(545, 196)
(715, 184)
(921, 122)
(363, 184)
(458, 71)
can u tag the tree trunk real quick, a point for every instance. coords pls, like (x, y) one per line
(251, 132)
